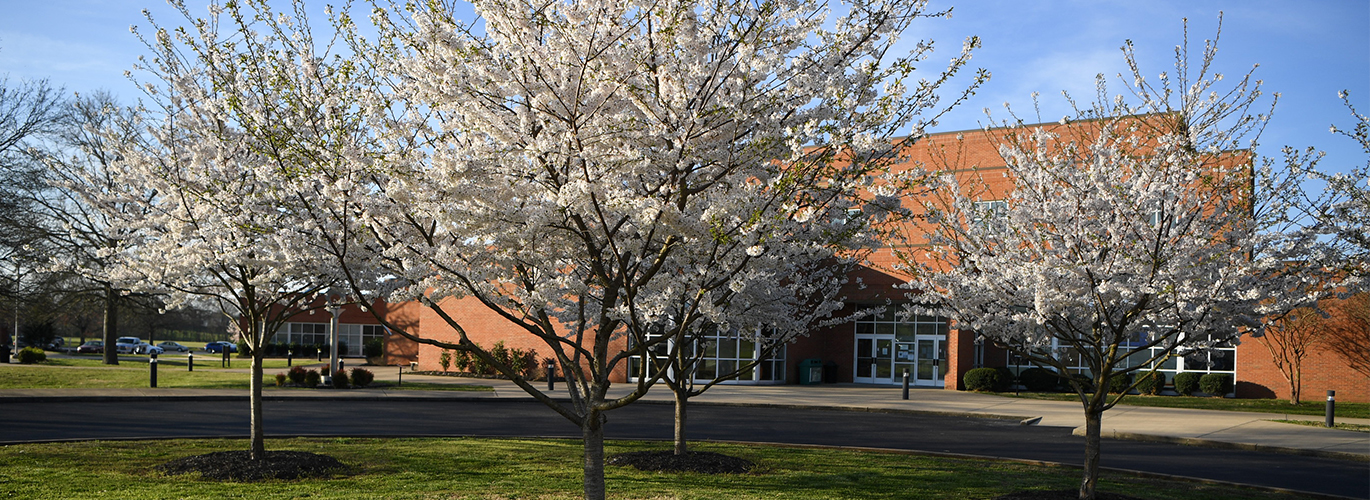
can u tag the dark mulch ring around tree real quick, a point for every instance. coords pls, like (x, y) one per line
(703, 462)
(239, 466)
(1061, 495)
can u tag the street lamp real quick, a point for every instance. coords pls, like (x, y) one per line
(335, 309)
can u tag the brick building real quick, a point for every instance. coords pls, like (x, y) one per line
(877, 350)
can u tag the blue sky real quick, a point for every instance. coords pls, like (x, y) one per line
(1307, 51)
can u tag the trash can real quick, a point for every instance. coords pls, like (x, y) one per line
(830, 372)
(811, 371)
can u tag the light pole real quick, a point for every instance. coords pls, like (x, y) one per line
(336, 310)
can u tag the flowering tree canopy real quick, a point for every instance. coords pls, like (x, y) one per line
(591, 171)
(200, 202)
(1128, 234)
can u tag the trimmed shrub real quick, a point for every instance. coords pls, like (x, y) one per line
(1216, 384)
(280, 380)
(462, 361)
(1039, 379)
(373, 348)
(312, 379)
(1119, 383)
(1151, 383)
(445, 359)
(340, 379)
(296, 375)
(323, 370)
(1186, 383)
(478, 366)
(362, 377)
(984, 380)
(31, 355)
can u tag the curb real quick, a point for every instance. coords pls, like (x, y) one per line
(1207, 443)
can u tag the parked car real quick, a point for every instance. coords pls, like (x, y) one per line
(126, 345)
(148, 349)
(91, 347)
(219, 347)
(57, 344)
(173, 346)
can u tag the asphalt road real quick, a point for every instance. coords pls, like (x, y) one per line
(65, 420)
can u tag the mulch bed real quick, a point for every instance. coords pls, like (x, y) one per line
(1061, 495)
(703, 462)
(239, 466)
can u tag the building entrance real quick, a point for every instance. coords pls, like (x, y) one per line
(886, 348)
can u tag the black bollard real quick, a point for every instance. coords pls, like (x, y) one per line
(551, 377)
(289, 358)
(341, 366)
(190, 362)
(225, 362)
(400, 381)
(906, 383)
(152, 370)
(1331, 408)
(319, 351)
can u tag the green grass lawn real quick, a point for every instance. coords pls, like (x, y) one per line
(124, 376)
(545, 469)
(89, 374)
(1315, 407)
(178, 360)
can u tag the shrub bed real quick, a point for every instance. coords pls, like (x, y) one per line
(984, 380)
(1216, 384)
(1039, 379)
(31, 355)
(1186, 383)
(362, 377)
(1151, 383)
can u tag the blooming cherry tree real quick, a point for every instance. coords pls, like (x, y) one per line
(1128, 236)
(592, 171)
(201, 203)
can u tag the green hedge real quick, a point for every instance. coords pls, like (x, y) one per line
(1039, 379)
(984, 380)
(1186, 383)
(1119, 383)
(1151, 383)
(31, 355)
(1216, 384)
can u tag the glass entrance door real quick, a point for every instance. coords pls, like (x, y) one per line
(874, 360)
(932, 360)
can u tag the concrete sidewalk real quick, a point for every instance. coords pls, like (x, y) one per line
(1199, 427)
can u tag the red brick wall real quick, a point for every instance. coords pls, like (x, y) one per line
(486, 327)
(1323, 370)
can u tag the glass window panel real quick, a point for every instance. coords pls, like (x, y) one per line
(1222, 360)
(904, 331)
(747, 349)
(727, 348)
(884, 329)
(708, 368)
(866, 328)
(927, 329)
(726, 366)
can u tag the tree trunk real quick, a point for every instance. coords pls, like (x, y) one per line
(681, 399)
(1295, 383)
(1093, 422)
(258, 430)
(111, 333)
(592, 432)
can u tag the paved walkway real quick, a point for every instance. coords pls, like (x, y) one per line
(1203, 427)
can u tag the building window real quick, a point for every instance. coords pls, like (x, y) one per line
(718, 355)
(1221, 358)
(351, 337)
